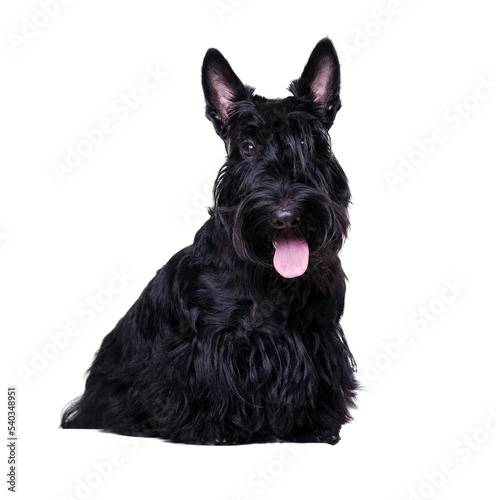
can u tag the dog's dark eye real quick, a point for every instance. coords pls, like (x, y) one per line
(248, 148)
(305, 144)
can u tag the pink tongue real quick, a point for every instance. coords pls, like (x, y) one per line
(291, 256)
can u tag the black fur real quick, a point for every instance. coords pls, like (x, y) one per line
(220, 348)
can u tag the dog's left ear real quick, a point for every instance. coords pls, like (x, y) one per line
(320, 81)
(222, 88)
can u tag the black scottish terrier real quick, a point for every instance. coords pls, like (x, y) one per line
(237, 338)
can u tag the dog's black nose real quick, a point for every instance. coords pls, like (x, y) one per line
(285, 217)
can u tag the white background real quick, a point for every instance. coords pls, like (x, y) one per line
(426, 423)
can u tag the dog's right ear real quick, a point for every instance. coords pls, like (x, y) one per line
(222, 88)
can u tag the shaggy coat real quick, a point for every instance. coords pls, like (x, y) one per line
(221, 348)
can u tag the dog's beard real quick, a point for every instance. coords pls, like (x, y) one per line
(291, 251)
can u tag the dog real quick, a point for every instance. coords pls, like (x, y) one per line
(237, 338)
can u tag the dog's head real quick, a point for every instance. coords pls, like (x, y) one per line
(281, 194)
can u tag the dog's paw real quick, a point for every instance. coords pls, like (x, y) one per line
(330, 437)
(334, 439)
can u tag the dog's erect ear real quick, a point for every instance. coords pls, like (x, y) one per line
(221, 87)
(320, 81)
